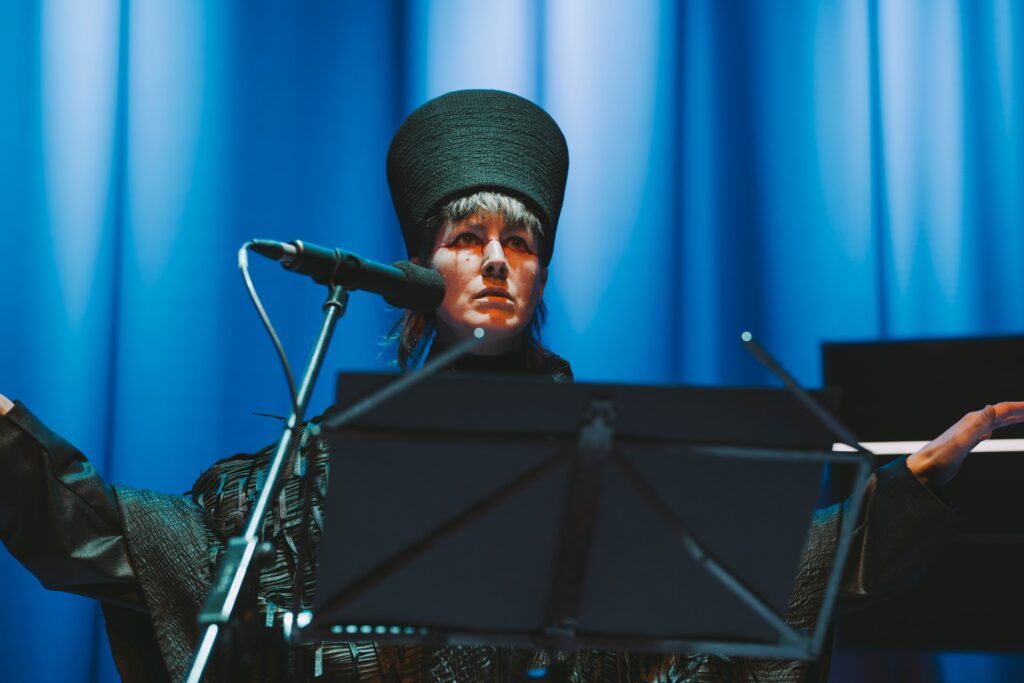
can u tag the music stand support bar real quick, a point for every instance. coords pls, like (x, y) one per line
(825, 417)
(593, 452)
(241, 550)
(843, 433)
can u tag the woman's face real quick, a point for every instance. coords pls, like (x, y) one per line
(493, 279)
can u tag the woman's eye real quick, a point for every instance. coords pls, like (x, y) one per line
(467, 238)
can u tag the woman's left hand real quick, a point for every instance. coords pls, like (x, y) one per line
(940, 460)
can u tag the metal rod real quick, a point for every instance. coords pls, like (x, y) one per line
(837, 428)
(405, 381)
(850, 511)
(234, 567)
(703, 557)
(850, 516)
(460, 520)
(334, 308)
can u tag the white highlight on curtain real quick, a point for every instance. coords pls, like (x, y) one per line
(897, 45)
(842, 103)
(943, 164)
(1003, 38)
(165, 109)
(463, 44)
(609, 86)
(79, 51)
(922, 104)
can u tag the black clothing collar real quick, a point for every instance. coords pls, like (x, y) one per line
(528, 360)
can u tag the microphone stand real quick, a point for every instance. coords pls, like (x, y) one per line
(242, 550)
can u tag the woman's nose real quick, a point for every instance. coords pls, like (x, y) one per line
(495, 264)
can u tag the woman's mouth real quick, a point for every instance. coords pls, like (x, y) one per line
(493, 293)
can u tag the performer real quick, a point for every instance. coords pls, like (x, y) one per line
(477, 179)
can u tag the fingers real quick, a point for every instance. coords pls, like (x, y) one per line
(978, 425)
(1005, 413)
(941, 458)
(990, 418)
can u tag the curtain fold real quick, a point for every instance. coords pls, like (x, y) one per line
(809, 171)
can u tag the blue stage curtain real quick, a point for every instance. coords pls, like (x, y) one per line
(809, 171)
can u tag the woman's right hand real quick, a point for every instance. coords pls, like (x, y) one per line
(5, 405)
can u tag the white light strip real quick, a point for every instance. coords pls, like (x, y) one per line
(907, 447)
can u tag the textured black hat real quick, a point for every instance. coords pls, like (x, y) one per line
(472, 140)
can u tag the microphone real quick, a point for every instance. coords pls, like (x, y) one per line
(402, 284)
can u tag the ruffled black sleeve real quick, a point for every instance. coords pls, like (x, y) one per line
(57, 515)
(901, 529)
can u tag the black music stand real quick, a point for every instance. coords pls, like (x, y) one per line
(510, 511)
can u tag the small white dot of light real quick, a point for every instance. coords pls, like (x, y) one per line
(351, 628)
(395, 630)
(381, 629)
(366, 629)
(478, 333)
(337, 629)
(746, 336)
(409, 630)
(304, 619)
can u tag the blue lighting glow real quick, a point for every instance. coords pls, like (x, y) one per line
(811, 170)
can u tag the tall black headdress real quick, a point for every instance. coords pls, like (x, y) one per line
(472, 140)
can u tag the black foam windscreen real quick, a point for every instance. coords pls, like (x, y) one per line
(424, 290)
